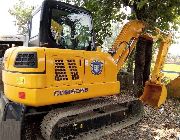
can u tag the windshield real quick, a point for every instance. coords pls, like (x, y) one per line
(71, 30)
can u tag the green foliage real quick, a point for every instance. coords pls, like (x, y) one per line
(157, 13)
(103, 11)
(140, 4)
(22, 14)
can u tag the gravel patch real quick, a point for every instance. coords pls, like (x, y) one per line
(157, 124)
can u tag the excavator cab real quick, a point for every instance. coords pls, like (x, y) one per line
(63, 26)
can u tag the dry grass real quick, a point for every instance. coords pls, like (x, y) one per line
(170, 67)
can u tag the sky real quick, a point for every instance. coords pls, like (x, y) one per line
(7, 25)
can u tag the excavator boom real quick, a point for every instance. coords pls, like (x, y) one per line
(155, 92)
(126, 41)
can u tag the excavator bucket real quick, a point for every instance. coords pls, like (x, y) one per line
(154, 94)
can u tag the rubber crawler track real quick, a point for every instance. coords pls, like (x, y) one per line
(58, 116)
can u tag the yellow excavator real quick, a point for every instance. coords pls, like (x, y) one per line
(60, 87)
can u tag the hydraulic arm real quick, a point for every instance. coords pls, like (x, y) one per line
(126, 41)
(155, 92)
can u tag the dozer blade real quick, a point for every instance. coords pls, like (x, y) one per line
(154, 94)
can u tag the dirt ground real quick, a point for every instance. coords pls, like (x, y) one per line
(157, 124)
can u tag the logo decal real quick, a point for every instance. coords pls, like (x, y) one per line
(96, 67)
(70, 91)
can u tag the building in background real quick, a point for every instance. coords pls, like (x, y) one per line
(8, 41)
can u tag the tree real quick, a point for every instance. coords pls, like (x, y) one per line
(22, 13)
(157, 13)
(104, 12)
